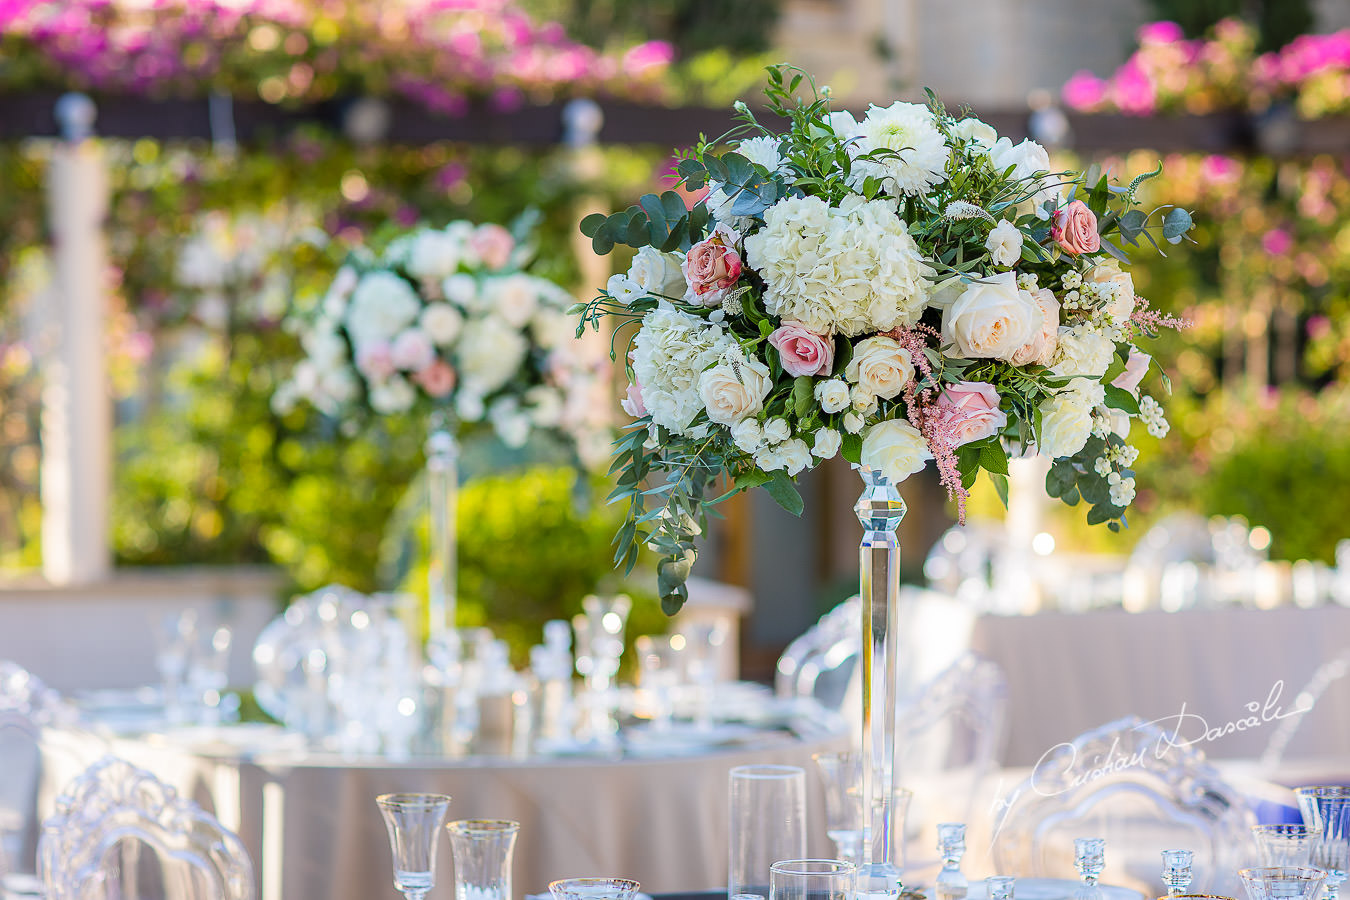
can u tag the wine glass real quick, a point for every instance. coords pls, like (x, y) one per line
(1089, 857)
(1176, 871)
(1327, 809)
(593, 889)
(1282, 882)
(999, 887)
(414, 822)
(1285, 844)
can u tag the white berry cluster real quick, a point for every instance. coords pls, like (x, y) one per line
(1151, 414)
(1121, 488)
(1027, 281)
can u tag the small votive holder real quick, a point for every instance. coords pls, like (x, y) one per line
(593, 889)
(999, 887)
(483, 851)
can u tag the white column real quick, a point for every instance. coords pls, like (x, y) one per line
(76, 405)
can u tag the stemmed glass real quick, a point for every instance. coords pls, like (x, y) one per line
(414, 822)
(950, 883)
(1327, 809)
(1176, 871)
(1282, 882)
(1089, 857)
(593, 889)
(1285, 844)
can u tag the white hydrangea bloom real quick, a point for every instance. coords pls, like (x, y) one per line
(670, 351)
(381, 306)
(1082, 350)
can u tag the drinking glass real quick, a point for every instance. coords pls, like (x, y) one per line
(841, 773)
(999, 887)
(1176, 871)
(812, 879)
(1285, 844)
(767, 824)
(593, 889)
(1327, 809)
(1089, 857)
(482, 850)
(658, 676)
(950, 883)
(414, 821)
(1282, 882)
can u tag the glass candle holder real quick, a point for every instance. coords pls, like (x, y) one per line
(483, 850)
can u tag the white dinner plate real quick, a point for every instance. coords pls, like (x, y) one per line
(1053, 889)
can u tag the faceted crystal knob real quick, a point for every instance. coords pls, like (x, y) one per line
(879, 508)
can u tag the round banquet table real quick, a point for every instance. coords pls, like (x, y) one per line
(311, 826)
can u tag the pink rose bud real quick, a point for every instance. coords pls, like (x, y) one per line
(801, 351)
(375, 361)
(1136, 367)
(437, 379)
(632, 401)
(1075, 229)
(711, 266)
(969, 412)
(493, 245)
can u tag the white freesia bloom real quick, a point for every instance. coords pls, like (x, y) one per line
(442, 323)
(896, 448)
(433, 255)
(1082, 350)
(657, 273)
(1004, 244)
(991, 319)
(920, 156)
(381, 306)
(827, 443)
(853, 269)
(392, 395)
(880, 367)
(489, 354)
(670, 351)
(734, 389)
(513, 297)
(832, 395)
(980, 135)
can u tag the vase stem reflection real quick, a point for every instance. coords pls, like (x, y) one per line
(880, 510)
(442, 451)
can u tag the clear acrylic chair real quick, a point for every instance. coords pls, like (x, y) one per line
(1141, 788)
(1319, 723)
(93, 846)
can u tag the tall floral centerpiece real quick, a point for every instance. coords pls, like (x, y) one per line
(904, 287)
(445, 324)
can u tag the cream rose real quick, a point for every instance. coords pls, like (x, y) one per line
(832, 395)
(827, 443)
(991, 319)
(1066, 424)
(980, 135)
(896, 448)
(880, 367)
(1041, 348)
(730, 394)
(657, 273)
(1108, 271)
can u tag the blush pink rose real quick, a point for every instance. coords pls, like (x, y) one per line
(493, 245)
(1042, 345)
(375, 361)
(969, 412)
(632, 401)
(1136, 367)
(1075, 229)
(802, 351)
(711, 266)
(412, 350)
(437, 379)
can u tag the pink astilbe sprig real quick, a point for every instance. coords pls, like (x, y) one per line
(923, 412)
(1150, 321)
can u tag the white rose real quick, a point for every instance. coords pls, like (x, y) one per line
(489, 354)
(991, 319)
(515, 298)
(832, 395)
(880, 366)
(462, 290)
(1027, 159)
(1082, 351)
(1108, 271)
(853, 423)
(946, 292)
(442, 323)
(433, 255)
(863, 401)
(770, 458)
(896, 448)
(393, 395)
(795, 455)
(1066, 424)
(1004, 244)
(730, 394)
(826, 443)
(777, 430)
(382, 305)
(747, 435)
(981, 135)
(657, 273)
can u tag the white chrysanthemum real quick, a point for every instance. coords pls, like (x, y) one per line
(852, 270)
(489, 354)
(762, 151)
(920, 152)
(670, 351)
(382, 305)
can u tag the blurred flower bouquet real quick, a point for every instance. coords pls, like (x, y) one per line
(444, 319)
(906, 287)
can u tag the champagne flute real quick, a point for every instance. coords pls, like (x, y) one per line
(414, 822)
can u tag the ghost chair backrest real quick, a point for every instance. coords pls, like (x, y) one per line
(1315, 724)
(94, 846)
